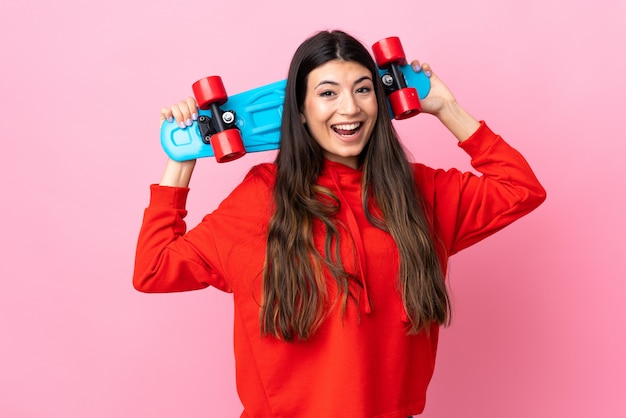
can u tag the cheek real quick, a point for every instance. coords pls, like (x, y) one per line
(309, 111)
(373, 108)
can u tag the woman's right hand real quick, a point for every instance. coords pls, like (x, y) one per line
(178, 173)
(184, 112)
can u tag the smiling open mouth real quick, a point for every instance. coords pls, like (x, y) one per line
(349, 129)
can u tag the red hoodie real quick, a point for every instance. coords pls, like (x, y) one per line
(361, 364)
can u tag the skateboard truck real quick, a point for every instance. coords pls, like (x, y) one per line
(393, 80)
(219, 130)
(221, 121)
(389, 55)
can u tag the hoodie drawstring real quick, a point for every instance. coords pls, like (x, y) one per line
(358, 242)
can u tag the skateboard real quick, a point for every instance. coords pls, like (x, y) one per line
(229, 126)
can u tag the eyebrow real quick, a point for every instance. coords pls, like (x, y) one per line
(334, 83)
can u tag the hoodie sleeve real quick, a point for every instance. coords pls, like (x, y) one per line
(171, 259)
(468, 207)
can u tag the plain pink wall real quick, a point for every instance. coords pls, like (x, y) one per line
(540, 321)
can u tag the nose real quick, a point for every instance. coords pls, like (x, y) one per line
(349, 105)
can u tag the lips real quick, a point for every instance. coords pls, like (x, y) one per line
(347, 129)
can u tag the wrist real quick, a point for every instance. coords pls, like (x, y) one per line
(458, 121)
(177, 173)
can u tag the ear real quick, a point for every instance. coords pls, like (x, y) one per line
(302, 118)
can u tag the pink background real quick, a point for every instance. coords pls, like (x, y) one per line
(540, 308)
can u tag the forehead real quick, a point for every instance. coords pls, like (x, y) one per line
(338, 71)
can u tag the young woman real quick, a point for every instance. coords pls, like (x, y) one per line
(336, 253)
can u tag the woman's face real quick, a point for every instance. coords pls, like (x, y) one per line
(340, 109)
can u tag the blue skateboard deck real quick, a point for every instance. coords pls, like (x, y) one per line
(258, 117)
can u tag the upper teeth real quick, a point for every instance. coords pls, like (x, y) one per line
(348, 127)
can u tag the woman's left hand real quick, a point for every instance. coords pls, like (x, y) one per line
(441, 103)
(439, 96)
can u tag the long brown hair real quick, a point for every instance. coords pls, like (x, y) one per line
(294, 291)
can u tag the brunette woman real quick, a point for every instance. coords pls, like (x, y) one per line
(336, 253)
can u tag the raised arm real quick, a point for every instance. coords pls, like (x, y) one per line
(470, 207)
(164, 261)
(178, 174)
